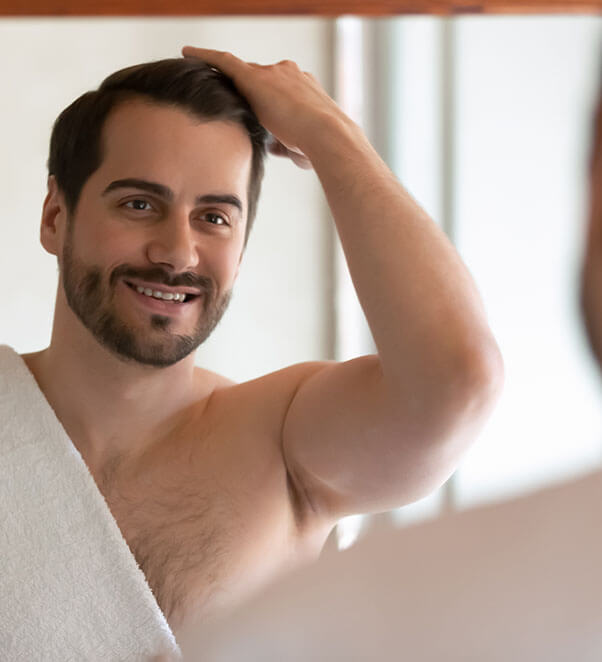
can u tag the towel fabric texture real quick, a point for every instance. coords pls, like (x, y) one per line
(70, 588)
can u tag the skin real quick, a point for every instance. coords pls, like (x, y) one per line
(215, 505)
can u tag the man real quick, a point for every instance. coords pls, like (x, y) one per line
(216, 486)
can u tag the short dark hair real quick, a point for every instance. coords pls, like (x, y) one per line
(187, 83)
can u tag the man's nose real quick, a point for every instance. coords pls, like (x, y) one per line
(174, 243)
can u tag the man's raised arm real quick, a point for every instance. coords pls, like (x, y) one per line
(378, 431)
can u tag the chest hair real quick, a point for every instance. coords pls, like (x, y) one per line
(180, 532)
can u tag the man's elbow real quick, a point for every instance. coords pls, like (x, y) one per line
(452, 391)
(470, 396)
(484, 374)
(455, 418)
(458, 406)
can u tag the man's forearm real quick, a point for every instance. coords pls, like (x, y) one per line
(420, 301)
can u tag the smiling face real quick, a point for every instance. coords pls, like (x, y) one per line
(149, 257)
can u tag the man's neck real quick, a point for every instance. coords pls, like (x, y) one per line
(110, 407)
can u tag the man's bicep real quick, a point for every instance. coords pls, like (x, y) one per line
(349, 449)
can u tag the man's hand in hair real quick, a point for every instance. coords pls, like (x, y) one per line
(288, 102)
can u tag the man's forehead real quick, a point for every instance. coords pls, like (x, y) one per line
(159, 141)
(138, 116)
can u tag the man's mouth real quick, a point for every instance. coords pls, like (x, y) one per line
(172, 295)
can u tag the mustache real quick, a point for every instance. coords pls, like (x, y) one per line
(160, 275)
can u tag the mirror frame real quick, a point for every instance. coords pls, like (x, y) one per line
(292, 7)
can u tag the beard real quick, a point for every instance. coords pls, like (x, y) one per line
(91, 300)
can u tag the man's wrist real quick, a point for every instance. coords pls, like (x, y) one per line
(333, 136)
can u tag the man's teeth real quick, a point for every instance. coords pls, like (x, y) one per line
(157, 294)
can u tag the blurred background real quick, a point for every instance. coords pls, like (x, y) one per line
(487, 122)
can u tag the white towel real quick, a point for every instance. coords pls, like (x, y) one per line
(70, 588)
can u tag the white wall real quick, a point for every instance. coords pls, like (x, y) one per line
(279, 312)
(524, 90)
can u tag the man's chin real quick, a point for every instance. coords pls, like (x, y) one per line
(152, 346)
(154, 355)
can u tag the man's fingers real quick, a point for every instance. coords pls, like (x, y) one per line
(223, 60)
(284, 99)
(276, 148)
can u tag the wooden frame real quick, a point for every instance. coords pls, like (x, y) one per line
(291, 7)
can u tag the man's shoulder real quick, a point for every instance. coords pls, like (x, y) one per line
(212, 380)
(278, 382)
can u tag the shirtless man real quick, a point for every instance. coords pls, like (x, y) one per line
(217, 486)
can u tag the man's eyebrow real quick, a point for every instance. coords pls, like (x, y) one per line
(166, 193)
(143, 184)
(217, 198)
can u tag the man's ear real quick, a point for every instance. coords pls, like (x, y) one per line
(54, 218)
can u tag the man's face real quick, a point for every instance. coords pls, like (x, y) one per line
(151, 253)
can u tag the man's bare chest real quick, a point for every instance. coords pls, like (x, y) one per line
(207, 521)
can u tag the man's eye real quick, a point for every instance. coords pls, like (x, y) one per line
(138, 204)
(216, 219)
